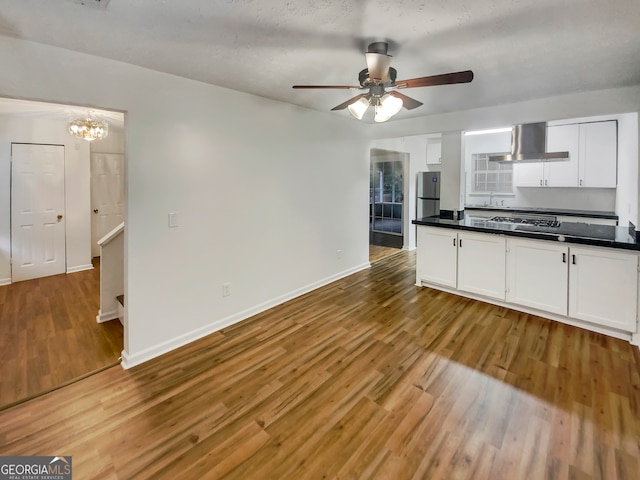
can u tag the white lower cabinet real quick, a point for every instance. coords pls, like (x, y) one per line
(537, 275)
(598, 285)
(603, 287)
(437, 256)
(472, 262)
(481, 264)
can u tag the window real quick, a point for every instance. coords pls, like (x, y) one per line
(490, 177)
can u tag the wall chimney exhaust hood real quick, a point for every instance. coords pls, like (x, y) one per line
(529, 144)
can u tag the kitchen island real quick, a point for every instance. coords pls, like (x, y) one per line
(577, 273)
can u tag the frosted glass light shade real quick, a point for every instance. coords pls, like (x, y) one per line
(388, 107)
(357, 109)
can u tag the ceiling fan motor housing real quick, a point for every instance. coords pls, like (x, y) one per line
(365, 81)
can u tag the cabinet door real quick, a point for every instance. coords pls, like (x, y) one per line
(598, 154)
(434, 151)
(437, 255)
(603, 287)
(537, 274)
(562, 138)
(528, 174)
(481, 264)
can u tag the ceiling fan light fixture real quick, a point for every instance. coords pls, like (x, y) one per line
(387, 107)
(359, 107)
(89, 129)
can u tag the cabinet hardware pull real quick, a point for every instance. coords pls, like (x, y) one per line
(580, 182)
(454, 242)
(573, 259)
(540, 182)
(546, 182)
(564, 258)
(460, 243)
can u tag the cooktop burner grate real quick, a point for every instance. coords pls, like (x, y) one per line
(549, 222)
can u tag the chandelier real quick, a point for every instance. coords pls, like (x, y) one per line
(88, 129)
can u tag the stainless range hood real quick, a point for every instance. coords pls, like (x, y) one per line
(529, 144)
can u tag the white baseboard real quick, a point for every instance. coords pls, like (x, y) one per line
(612, 332)
(408, 249)
(5, 281)
(635, 339)
(131, 360)
(79, 268)
(105, 317)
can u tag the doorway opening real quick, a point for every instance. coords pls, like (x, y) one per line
(387, 206)
(49, 333)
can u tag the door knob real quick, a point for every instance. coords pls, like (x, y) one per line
(95, 210)
(59, 217)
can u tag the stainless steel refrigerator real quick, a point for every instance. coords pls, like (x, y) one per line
(428, 193)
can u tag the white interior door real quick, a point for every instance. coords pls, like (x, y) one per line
(37, 211)
(107, 195)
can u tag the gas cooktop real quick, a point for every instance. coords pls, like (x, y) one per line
(548, 222)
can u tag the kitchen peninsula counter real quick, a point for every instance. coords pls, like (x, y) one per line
(570, 232)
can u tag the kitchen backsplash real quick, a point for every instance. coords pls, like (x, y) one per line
(597, 199)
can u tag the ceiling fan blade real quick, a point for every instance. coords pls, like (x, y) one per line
(344, 105)
(407, 102)
(378, 65)
(327, 86)
(444, 79)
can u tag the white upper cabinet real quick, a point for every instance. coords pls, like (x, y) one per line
(598, 154)
(528, 174)
(434, 153)
(564, 173)
(592, 161)
(563, 138)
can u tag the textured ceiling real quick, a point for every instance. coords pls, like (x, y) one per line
(517, 49)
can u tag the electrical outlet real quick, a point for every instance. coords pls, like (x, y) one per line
(226, 289)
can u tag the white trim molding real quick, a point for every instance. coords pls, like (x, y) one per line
(105, 317)
(612, 332)
(5, 281)
(79, 268)
(129, 361)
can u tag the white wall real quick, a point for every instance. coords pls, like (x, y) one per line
(266, 192)
(77, 192)
(114, 143)
(452, 171)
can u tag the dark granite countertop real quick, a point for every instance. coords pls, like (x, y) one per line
(546, 211)
(571, 232)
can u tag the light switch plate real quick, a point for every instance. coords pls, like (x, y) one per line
(173, 220)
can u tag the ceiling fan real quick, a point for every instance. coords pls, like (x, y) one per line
(379, 78)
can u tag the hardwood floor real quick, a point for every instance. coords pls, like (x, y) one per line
(370, 377)
(49, 335)
(378, 252)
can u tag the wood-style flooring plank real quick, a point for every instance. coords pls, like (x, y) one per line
(368, 377)
(49, 335)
